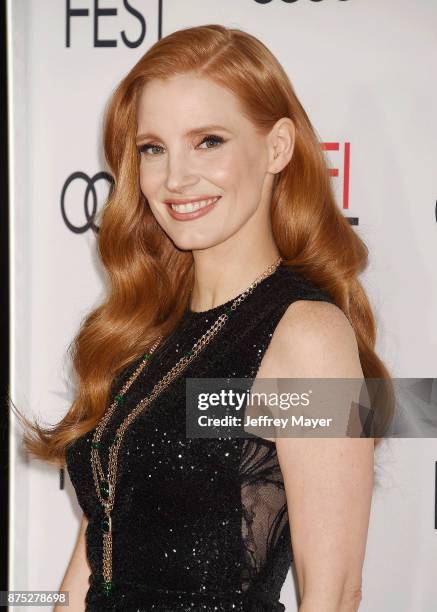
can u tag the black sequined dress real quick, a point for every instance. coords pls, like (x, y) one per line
(198, 524)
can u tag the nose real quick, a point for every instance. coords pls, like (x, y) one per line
(181, 174)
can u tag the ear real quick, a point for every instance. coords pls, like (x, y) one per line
(281, 144)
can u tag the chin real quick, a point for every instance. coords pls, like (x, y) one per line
(191, 243)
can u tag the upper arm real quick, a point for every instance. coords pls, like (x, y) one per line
(328, 481)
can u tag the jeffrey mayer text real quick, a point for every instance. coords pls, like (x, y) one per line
(294, 421)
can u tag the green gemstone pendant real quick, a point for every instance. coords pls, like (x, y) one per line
(106, 524)
(229, 312)
(96, 444)
(147, 356)
(104, 489)
(119, 399)
(107, 587)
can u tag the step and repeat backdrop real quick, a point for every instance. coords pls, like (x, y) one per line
(365, 73)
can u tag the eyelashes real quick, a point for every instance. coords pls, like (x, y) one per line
(217, 140)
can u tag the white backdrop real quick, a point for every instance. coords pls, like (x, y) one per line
(365, 73)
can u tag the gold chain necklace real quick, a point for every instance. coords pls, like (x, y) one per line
(105, 486)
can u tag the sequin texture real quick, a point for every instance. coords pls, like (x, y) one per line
(198, 524)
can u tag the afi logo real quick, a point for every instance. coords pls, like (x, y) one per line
(100, 13)
(345, 163)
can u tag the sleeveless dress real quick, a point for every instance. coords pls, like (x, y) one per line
(198, 524)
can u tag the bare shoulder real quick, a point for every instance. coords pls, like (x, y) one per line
(312, 339)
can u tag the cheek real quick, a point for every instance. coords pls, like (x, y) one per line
(241, 177)
(148, 182)
(231, 172)
(149, 188)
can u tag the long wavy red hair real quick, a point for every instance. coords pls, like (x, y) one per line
(149, 279)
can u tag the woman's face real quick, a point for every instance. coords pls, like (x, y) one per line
(196, 144)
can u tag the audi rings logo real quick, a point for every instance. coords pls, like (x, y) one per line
(87, 205)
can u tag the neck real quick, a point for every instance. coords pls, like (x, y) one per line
(219, 279)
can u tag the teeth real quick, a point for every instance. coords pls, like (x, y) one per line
(192, 206)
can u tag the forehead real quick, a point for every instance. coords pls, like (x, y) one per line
(186, 99)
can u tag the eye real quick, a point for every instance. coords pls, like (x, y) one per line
(144, 148)
(217, 140)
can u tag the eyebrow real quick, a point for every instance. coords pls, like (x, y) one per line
(193, 132)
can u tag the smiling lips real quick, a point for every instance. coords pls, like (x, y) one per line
(185, 210)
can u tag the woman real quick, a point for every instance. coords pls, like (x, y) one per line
(227, 256)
